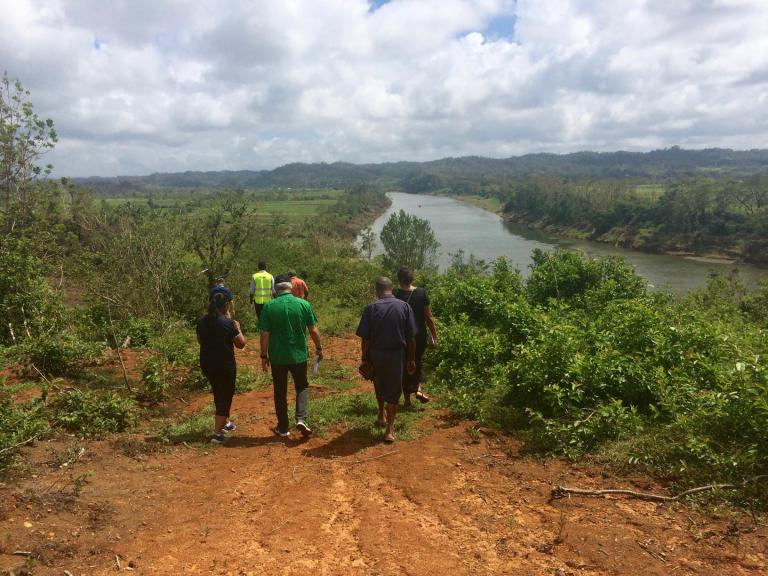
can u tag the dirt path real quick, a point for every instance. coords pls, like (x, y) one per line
(446, 503)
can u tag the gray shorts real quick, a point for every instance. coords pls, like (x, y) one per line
(388, 374)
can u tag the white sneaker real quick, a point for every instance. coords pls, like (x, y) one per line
(305, 430)
(229, 426)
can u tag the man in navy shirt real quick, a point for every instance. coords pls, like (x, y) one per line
(387, 330)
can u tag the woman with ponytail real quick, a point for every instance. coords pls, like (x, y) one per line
(218, 336)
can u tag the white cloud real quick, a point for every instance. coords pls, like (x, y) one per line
(137, 86)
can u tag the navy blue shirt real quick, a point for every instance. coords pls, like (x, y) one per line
(388, 324)
(223, 290)
(217, 349)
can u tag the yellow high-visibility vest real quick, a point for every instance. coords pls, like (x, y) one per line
(262, 282)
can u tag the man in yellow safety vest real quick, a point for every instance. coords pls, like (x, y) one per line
(262, 288)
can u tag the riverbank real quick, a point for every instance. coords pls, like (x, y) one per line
(647, 240)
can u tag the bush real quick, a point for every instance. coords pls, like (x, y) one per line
(25, 297)
(95, 414)
(60, 354)
(177, 345)
(155, 379)
(18, 423)
(581, 359)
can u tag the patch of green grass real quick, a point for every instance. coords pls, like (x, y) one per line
(248, 379)
(357, 413)
(491, 204)
(334, 376)
(192, 428)
(11, 389)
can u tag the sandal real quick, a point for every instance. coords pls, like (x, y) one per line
(421, 397)
(389, 439)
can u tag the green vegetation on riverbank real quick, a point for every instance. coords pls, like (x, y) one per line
(581, 359)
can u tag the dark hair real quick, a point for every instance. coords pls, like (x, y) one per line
(405, 276)
(217, 306)
(383, 284)
(262, 265)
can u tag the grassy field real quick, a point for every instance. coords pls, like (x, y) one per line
(490, 204)
(289, 204)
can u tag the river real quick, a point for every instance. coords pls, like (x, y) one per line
(460, 226)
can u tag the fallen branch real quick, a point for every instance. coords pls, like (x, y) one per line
(22, 553)
(43, 376)
(562, 491)
(117, 347)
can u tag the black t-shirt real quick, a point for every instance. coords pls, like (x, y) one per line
(418, 298)
(217, 350)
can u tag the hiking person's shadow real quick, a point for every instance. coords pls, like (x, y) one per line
(350, 442)
(256, 441)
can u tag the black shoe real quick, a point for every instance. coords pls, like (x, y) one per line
(229, 427)
(286, 434)
(218, 438)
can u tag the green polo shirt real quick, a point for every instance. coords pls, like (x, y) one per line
(286, 319)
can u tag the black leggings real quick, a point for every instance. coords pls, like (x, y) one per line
(223, 388)
(411, 382)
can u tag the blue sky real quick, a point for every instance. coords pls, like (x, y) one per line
(140, 86)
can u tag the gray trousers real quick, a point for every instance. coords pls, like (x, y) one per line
(280, 381)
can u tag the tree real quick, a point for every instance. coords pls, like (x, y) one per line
(367, 242)
(408, 241)
(219, 233)
(24, 138)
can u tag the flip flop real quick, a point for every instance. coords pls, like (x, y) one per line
(421, 397)
(389, 439)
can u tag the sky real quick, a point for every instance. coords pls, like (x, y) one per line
(142, 86)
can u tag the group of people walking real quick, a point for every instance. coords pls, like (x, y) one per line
(394, 330)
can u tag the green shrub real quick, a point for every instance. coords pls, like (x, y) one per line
(155, 379)
(94, 414)
(26, 300)
(18, 423)
(178, 345)
(583, 360)
(60, 354)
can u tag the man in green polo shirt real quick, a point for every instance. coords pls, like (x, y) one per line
(283, 324)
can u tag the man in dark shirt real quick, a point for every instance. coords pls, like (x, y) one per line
(387, 330)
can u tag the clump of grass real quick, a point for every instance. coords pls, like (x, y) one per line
(357, 413)
(334, 376)
(192, 429)
(136, 448)
(248, 379)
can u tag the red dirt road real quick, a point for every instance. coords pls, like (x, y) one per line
(442, 504)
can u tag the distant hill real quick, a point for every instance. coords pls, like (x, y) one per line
(424, 176)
